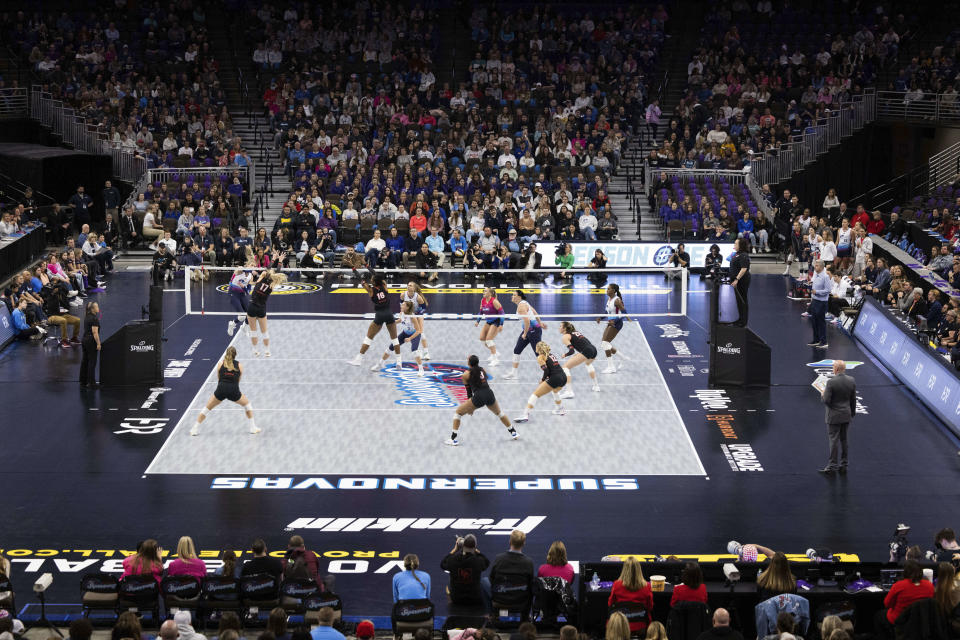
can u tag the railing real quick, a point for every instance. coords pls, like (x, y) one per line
(14, 103)
(945, 166)
(176, 174)
(776, 166)
(942, 109)
(84, 135)
(941, 169)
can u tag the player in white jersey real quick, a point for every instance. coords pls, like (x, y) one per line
(240, 284)
(415, 295)
(410, 330)
(616, 313)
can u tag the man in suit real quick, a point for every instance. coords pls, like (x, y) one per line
(129, 228)
(840, 396)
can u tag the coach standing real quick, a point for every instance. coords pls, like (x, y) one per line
(821, 285)
(840, 396)
(91, 346)
(740, 269)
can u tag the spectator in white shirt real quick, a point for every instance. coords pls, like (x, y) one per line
(717, 136)
(588, 224)
(504, 158)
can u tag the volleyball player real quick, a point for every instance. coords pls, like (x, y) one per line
(616, 313)
(228, 388)
(554, 378)
(493, 325)
(411, 330)
(240, 283)
(382, 316)
(415, 295)
(479, 394)
(580, 351)
(532, 330)
(257, 309)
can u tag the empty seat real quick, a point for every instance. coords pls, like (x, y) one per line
(98, 592)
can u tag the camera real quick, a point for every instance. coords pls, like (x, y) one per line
(43, 583)
(899, 543)
(731, 573)
(560, 249)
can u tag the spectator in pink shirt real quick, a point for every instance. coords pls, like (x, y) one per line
(187, 562)
(557, 565)
(147, 560)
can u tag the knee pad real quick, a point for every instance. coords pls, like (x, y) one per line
(395, 342)
(367, 341)
(419, 353)
(590, 369)
(253, 333)
(249, 407)
(490, 343)
(265, 335)
(566, 371)
(204, 412)
(606, 346)
(532, 400)
(456, 416)
(516, 357)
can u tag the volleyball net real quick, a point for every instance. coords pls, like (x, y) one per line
(452, 293)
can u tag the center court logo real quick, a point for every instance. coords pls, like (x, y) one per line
(440, 387)
(284, 289)
(662, 256)
(828, 364)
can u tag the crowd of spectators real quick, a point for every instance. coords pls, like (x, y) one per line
(842, 239)
(144, 73)
(524, 140)
(761, 76)
(473, 578)
(79, 259)
(931, 72)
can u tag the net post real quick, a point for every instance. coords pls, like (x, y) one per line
(186, 288)
(684, 274)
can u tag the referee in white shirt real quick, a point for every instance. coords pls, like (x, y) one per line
(822, 285)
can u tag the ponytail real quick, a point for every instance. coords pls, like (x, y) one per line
(616, 290)
(229, 358)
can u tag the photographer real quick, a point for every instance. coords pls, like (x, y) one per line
(599, 261)
(426, 261)
(713, 263)
(163, 265)
(564, 258)
(678, 258)
(466, 565)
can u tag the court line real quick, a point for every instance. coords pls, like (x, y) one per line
(185, 411)
(676, 409)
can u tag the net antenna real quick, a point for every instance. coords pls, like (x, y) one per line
(661, 298)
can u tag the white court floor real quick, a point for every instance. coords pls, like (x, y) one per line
(320, 415)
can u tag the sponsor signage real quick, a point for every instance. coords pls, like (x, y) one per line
(431, 483)
(7, 332)
(490, 526)
(740, 456)
(442, 386)
(142, 347)
(284, 289)
(927, 374)
(632, 254)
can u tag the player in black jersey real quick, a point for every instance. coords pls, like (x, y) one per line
(257, 308)
(554, 379)
(228, 388)
(579, 351)
(382, 316)
(479, 394)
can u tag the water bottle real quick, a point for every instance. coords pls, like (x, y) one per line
(595, 582)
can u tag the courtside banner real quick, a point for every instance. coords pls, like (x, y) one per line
(7, 332)
(632, 254)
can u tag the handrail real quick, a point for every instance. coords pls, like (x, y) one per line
(85, 135)
(773, 167)
(932, 108)
(14, 103)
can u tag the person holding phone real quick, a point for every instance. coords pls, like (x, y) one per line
(466, 565)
